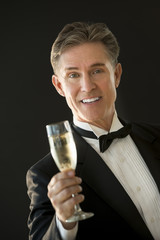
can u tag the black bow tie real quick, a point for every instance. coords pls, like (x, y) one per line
(106, 139)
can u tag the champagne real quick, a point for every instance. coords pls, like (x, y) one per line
(63, 151)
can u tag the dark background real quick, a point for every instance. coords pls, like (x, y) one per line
(28, 100)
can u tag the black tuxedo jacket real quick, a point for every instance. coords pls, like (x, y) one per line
(116, 217)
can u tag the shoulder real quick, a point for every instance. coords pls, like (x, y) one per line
(43, 163)
(45, 168)
(143, 129)
(146, 128)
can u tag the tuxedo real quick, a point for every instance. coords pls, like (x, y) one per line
(115, 214)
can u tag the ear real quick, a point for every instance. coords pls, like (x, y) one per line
(57, 84)
(118, 73)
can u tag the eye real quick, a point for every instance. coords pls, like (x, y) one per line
(73, 75)
(97, 71)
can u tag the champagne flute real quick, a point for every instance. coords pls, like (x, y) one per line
(64, 153)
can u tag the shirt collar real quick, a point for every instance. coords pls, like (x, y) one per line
(116, 124)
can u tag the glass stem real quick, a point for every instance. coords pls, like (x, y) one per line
(77, 206)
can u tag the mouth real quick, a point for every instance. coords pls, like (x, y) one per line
(90, 100)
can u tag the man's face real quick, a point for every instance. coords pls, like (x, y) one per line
(88, 81)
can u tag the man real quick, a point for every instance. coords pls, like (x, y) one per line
(119, 182)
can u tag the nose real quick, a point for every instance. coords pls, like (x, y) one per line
(87, 83)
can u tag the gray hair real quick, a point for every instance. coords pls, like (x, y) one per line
(78, 33)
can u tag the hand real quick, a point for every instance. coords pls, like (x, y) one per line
(60, 190)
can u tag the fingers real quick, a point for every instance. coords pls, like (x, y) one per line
(59, 195)
(62, 181)
(60, 190)
(66, 209)
(62, 175)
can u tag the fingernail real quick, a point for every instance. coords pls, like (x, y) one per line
(82, 197)
(79, 179)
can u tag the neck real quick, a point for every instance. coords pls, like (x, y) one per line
(102, 123)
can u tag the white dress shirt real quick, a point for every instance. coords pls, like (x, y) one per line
(128, 166)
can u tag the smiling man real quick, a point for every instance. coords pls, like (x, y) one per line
(88, 81)
(117, 174)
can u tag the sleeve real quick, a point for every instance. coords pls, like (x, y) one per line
(42, 219)
(66, 234)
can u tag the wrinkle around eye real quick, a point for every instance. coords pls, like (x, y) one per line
(97, 71)
(73, 75)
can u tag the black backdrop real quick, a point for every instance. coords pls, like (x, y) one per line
(28, 100)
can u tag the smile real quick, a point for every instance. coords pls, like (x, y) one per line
(90, 100)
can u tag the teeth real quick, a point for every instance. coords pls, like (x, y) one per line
(90, 100)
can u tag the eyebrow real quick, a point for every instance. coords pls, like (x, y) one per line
(71, 68)
(93, 65)
(97, 65)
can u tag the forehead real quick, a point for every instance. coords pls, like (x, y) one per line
(86, 54)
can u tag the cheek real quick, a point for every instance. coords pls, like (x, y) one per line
(109, 91)
(70, 95)
(112, 93)
(107, 86)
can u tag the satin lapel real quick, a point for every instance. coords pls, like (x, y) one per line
(149, 147)
(98, 176)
